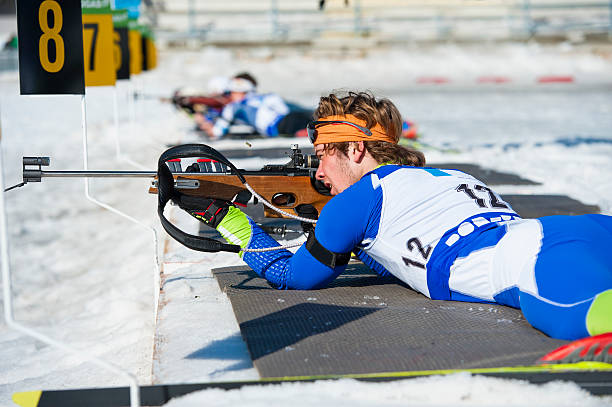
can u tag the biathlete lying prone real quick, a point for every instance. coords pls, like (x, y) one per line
(267, 114)
(442, 232)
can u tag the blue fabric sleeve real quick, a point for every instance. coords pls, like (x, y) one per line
(284, 270)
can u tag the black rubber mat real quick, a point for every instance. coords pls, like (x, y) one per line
(364, 323)
(488, 176)
(535, 206)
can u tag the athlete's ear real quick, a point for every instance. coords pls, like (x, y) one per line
(357, 151)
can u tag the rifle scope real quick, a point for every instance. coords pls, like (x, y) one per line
(299, 160)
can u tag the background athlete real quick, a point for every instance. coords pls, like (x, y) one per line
(267, 113)
(442, 232)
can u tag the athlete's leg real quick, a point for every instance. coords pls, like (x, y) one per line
(293, 122)
(598, 317)
(573, 275)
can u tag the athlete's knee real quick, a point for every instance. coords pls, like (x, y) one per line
(599, 315)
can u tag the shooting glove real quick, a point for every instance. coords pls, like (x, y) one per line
(207, 210)
(222, 215)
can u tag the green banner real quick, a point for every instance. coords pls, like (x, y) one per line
(120, 18)
(133, 24)
(96, 6)
(146, 31)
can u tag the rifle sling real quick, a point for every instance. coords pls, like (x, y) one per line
(325, 256)
(199, 243)
(167, 192)
(199, 150)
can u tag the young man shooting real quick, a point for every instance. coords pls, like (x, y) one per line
(442, 232)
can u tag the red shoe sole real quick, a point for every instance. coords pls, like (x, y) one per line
(596, 348)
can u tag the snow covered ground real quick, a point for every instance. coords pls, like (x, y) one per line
(86, 276)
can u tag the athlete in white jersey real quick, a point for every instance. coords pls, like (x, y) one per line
(442, 232)
(267, 113)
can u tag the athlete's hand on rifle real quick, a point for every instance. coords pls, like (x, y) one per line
(211, 211)
(204, 124)
(207, 210)
(233, 224)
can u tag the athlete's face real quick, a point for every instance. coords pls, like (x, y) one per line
(334, 170)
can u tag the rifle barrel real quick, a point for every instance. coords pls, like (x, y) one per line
(98, 174)
(38, 175)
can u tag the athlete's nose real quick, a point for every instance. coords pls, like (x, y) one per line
(319, 174)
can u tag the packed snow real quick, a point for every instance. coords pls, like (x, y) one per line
(85, 276)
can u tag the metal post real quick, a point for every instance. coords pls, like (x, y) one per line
(8, 306)
(527, 18)
(121, 156)
(274, 18)
(358, 17)
(610, 26)
(191, 21)
(134, 388)
(156, 274)
(116, 121)
(132, 102)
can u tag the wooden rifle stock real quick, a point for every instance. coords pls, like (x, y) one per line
(286, 192)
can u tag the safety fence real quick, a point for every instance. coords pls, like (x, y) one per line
(294, 21)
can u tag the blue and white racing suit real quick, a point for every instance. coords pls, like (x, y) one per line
(261, 111)
(450, 237)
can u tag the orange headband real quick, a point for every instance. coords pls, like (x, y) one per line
(339, 132)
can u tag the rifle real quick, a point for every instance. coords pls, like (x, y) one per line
(189, 103)
(288, 191)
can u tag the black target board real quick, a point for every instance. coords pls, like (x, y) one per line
(121, 44)
(50, 37)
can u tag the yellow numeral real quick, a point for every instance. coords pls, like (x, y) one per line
(117, 50)
(51, 34)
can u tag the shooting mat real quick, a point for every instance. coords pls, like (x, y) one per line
(535, 206)
(363, 323)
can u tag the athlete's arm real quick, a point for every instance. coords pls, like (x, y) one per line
(342, 226)
(223, 122)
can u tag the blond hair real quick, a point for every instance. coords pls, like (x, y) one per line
(366, 107)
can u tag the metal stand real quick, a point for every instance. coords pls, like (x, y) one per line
(8, 306)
